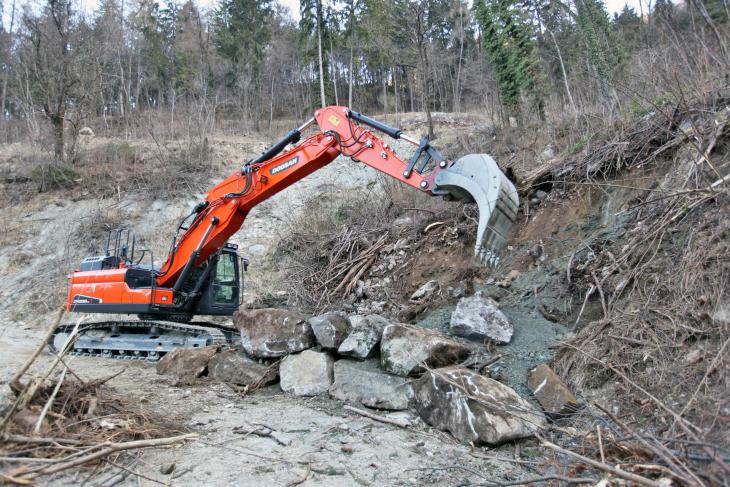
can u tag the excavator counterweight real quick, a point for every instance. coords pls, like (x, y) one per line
(201, 274)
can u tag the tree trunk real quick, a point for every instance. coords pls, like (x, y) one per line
(333, 73)
(6, 75)
(457, 89)
(565, 75)
(271, 102)
(58, 140)
(323, 101)
(349, 93)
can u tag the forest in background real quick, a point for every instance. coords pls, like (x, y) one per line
(143, 69)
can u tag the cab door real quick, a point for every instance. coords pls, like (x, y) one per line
(224, 291)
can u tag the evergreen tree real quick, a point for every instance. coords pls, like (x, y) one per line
(603, 46)
(507, 40)
(241, 34)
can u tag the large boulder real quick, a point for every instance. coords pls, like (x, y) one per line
(551, 392)
(479, 316)
(270, 332)
(185, 365)
(474, 408)
(404, 347)
(234, 367)
(365, 335)
(306, 374)
(364, 383)
(330, 329)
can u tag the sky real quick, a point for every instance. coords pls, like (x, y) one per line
(293, 6)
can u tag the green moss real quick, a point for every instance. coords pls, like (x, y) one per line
(54, 176)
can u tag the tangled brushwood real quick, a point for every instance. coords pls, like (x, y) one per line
(64, 422)
(661, 349)
(341, 251)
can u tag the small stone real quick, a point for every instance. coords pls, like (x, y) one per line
(167, 468)
(405, 347)
(186, 364)
(306, 374)
(403, 221)
(365, 335)
(479, 316)
(474, 408)
(509, 278)
(234, 367)
(551, 392)
(425, 291)
(257, 249)
(365, 383)
(271, 333)
(693, 357)
(330, 329)
(721, 316)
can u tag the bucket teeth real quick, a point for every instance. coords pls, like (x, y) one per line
(477, 178)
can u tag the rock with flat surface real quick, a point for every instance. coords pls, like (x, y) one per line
(364, 383)
(365, 335)
(306, 374)
(271, 333)
(330, 329)
(479, 317)
(404, 347)
(474, 408)
(234, 367)
(185, 365)
(425, 291)
(551, 392)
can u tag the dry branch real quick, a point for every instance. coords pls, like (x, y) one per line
(402, 423)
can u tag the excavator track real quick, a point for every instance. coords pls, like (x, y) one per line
(136, 340)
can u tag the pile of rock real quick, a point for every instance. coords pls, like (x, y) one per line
(370, 360)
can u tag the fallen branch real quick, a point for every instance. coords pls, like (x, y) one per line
(15, 381)
(301, 479)
(402, 423)
(602, 466)
(109, 448)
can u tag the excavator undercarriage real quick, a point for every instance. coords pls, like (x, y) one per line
(201, 274)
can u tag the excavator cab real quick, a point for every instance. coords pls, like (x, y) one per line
(225, 287)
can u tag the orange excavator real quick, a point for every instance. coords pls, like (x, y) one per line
(202, 273)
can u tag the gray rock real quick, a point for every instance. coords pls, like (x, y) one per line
(403, 221)
(257, 249)
(425, 291)
(234, 367)
(186, 364)
(306, 374)
(270, 333)
(365, 335)
(479, 316)
(404, 347)
(6, 402)
(330, 329)
(474, 408)
(721, 316)
(365, 383)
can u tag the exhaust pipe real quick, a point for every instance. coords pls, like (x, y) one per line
(477, 178)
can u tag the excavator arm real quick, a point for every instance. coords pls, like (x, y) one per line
(201, 276)
(342, 132)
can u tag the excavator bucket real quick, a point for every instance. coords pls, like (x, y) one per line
(477, 178)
